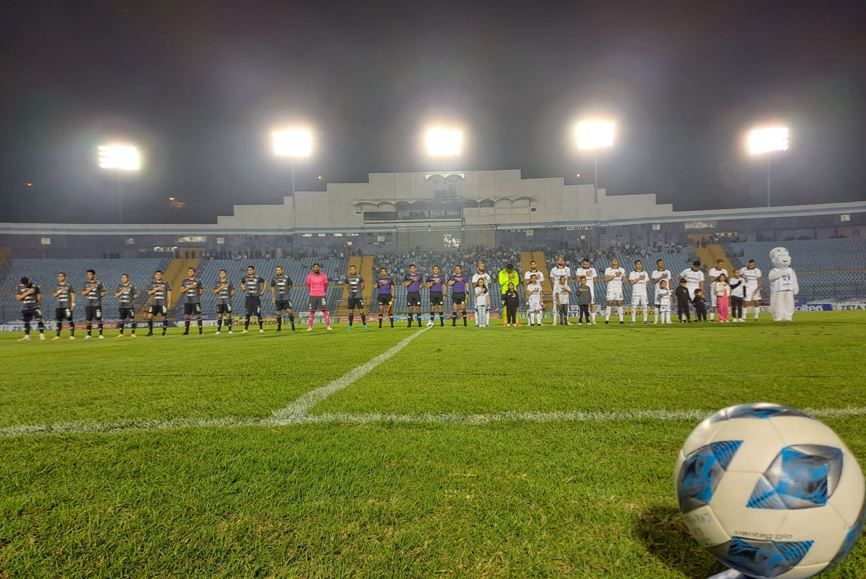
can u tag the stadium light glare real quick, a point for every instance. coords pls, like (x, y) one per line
(444, 142)
(296, 143)
(594, 134)
(767, 140)
(119, 157)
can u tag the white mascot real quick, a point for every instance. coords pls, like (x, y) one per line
(783, 286)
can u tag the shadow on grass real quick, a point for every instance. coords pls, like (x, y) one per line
(664, 533)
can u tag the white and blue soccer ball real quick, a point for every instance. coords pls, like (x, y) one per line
(770, 491)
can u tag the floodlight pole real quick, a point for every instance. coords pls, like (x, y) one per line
(119, 197)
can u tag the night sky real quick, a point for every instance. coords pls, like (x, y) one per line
(199, 85)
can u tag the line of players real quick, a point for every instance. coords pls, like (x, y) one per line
(159, 294)
(746, 294)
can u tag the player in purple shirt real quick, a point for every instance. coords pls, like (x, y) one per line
(457, 283)
(434, 282)
(413, 280)
(385, 293)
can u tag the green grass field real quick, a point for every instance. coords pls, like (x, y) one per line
(468, 452)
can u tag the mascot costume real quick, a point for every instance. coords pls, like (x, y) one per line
(783, 286)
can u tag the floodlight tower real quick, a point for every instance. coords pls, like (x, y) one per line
(593, 135)
(444, 143)
(294, 143)
(121, 158)
(766, 141)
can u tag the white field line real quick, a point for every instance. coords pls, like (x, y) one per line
(511, 417)
(302, 405)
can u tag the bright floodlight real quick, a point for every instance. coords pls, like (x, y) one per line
(767, 140)
(595, 134)
(292, 143)
(119, 157)
(444, 142)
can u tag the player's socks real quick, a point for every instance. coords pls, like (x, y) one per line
(246, 323)
(229, 322)
(391, 319)
(351, 319)
(99, 327)
(133, 324)
(150, 326)
(410, 321)
(607, 312)
(164, 326)
(280, 323)
(200, 326)
(621, 313)
(310, 317)
(292, 321)
(219, 324)
(453, 319)
(364, 320)
(380, 321)
(463, 313)
(26, 329)
(120, 326)
(712, 316)
(186, 327)
(327, 315)
(58, 328)
(261, 323)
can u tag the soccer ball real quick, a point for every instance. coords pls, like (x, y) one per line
(770, 491)
(430, 323)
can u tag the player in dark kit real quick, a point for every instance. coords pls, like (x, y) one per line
(457, 283)
(413, 280)
(30, 296)
(93, 292)
(356, 295)
(385, 295)
(436, 281)
(125, 294)
(64, 295)
(225, 291)
(253, 287)
(160, 294)
(280, 286)
(192, 290)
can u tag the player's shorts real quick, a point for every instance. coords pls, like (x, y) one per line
(61, 314)
(458, 298)
(192, 309)
(385, 300)
(691, 291)
(436, 299)
(639, 300)
(29, 314)
(356, 303)
(753, 294)
(157, 310)
(413, 299)
(283, 305)
(93, 313)
(125, 313)
(318, 303)
(614, 295)
(534, 306)
(253, 305)
(224, 309)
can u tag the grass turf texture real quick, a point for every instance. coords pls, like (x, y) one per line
(510, 498)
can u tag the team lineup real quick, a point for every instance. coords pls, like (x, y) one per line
(730, 297)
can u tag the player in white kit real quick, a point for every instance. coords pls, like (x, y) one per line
(614, 276)
(753, 276)
(556, 272)
(714, 274)
(591, 275)
(660, 273)
(639, 280)
(694, 278)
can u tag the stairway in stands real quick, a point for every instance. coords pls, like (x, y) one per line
(710, 252)
(174, 274)
(541, 263)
